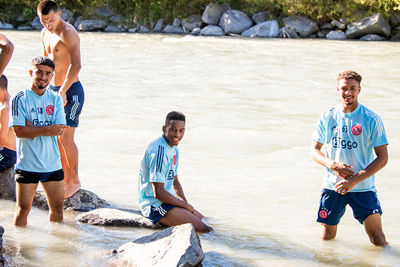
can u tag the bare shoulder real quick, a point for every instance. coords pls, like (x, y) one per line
(69, 33)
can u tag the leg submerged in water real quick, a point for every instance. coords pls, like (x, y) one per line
(71, 153)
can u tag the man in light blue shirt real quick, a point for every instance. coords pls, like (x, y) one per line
(37, 116)
(353, 135)
(161, 196)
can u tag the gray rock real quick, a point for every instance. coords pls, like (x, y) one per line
(83, 200)
(375, 24)
(235, 21)
(1, 237)
(115, 217)
(268, 29)
(78, 21)
(327, 26)
(336, 35)
(212, 30)
(104, 12)
(24, 28)
(143, 29)
(7, 184)
(174, 246)
(116, 19)
(6, 26)
(67, 15)
(21, 19)
(261, 16)
(173, 30)
(132, 30)
(191, 23)
(372, 37)
(303, 25)
(159, 25)
(196, 31)
(288, 32)
(112, 28)
(395, 19)
(176, 23)
(213, 13)
(36, 24)
(321, 34)
(92, 25)
(339, 25)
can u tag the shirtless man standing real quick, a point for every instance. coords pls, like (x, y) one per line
(61, 43)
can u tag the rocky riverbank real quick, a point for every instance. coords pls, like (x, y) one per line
(220, 20)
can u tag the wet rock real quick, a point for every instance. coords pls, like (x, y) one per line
(174, 246)
(288, 32)
(104, 12)
(191, 23)
(196, 32)
(83, 200)
(116, 19)
(267, 29)
(115, 217)
(24, 28)
(158, 26)
(261, 16)
(1, 237)
(303, 25)
(6, 26)
(375, 24)
(176, 22)
(395, 19)
(7, 184)
(78, 21)
(336, 35)
(213, 13)
(143, 29)
(372, 37)
(36, 24)
(327, 26)
(339, 25)
(111, 28)
(212, 30)
(173, 30)
(92, 25)
(234, 21)
(67, 15)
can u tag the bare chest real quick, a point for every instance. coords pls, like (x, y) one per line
(54, 45)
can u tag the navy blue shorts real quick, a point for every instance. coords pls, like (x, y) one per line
(333, 205)
(157, 213)
(75, 100)
(8, 158)
(25, 177)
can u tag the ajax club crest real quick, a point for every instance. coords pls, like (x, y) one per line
(356, 129)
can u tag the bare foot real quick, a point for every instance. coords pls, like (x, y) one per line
(71, 189)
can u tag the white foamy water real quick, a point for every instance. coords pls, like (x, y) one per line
(251, 107)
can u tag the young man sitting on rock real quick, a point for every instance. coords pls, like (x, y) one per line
(161, 196)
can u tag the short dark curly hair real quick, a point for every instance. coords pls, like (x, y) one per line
(349, 74)
(174, 115)
(42, 60)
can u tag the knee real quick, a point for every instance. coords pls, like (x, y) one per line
(23, 210)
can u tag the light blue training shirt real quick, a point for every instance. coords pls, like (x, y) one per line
(159, 164)
(38, 154)
(350, 138)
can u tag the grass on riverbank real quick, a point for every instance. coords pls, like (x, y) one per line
(149, 11)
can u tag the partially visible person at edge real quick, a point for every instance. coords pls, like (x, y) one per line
(61, 43)
(351, 133)
(161, 196)
(38, 118)
(7, 49)
(8, 155)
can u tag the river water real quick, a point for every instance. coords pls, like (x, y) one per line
(251, 107)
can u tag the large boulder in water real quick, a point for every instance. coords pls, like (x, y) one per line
(213, 13)
(83, 200)
(261, 16)
(336, 35)
(6, 26)
(212, 30)
(92, 25)
(372, 37)
(115, 217)
(375, 24)
(303, 25)
(1, 237)
(235, 21)
(173, 29)
(288, 32)
(267, 29)
(7, 184)
(174, 246)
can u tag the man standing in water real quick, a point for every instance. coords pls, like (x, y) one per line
(352, 133)
(61, 43)
(7, 49)
(161, 196)
(38, 118)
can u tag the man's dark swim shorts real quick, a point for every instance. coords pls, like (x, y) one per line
(25, 177)
(75, 100)
(8, 158)
(157, 213)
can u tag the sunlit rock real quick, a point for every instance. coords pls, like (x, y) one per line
(36, 24)
(375, 24)
(372, 37)
(303, 25)
(213, 12)
(261, 16)
(234, 21)
(92, 25)
(212, 30)
(267, 29)
(336, 35)
(192, 22)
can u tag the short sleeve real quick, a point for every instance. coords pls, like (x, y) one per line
(59, 111)
(18, 110)
(158, 166)
(320, 130)
(378, 133)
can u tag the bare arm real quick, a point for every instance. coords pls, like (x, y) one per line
(42, 33)
(165, 197)
(379, 162)
(7, 49)
(4, 124)
(30, 131)
(178, 189)
(341, 169)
